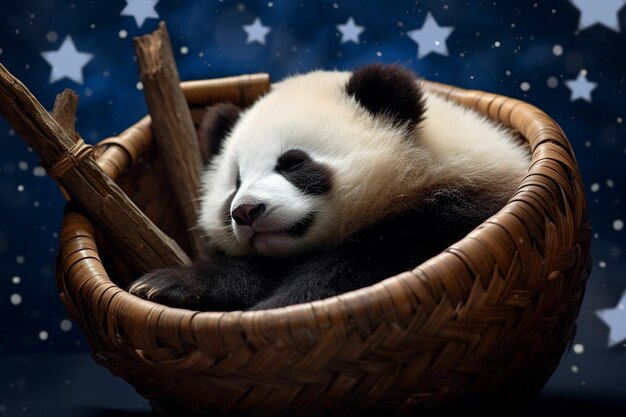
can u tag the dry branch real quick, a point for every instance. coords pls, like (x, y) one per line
(173, 128)
(64, 112)
(116, 215)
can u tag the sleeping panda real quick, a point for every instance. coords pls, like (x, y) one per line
(334, 181)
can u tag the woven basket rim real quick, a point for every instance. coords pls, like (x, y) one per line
(546, 140)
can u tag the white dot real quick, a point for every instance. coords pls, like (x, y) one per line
(610, 183)
(39, 172)
(123, 34)
(618, 224)
(602, 264)
(23, 165)
(20, 259)
(52, 36)
(20, 188)
(524, 86)
(437, 43)
(184, 50)
(0, 51)
(93, 26)
(552, 82)
(35, 203)
(574, 368)
(139, 85)
(507, 72)
(66, 325)
(16, 299)
(578, 348)
(270, 4)
(43, 335)
(16, 280)
(619, 119)
(557, 50)
(595, 187)
(497, 44)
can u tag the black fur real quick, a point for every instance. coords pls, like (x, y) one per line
(308, 176)
(392, 246)
(216, 124)
(388, 90)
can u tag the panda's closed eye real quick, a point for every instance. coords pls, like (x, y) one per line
(291, 160)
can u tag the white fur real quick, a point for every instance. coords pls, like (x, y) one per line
(376, 170)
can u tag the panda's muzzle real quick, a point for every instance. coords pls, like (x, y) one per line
(255, 221)
(246, 214)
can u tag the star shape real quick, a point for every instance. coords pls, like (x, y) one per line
(615, 318)
(350, 31)
(431, 37)
(67, 61)
(140, 10)
(256, 31)
(603, 12)
(581, 87)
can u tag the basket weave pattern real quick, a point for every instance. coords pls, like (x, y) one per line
(487, 319)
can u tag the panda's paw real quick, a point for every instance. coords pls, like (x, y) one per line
(172, 287)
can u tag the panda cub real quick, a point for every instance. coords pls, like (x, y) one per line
(334, 181)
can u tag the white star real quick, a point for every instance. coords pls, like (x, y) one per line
(350, 31)
(581, 87)
(603, 12)
(431, 37)
(615, 318)
(256, 31)
(140, 10)
(67, 61)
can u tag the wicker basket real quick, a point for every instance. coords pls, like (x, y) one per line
(485, 321)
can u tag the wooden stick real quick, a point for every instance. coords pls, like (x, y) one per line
(174, 132)
(64, 112)
(106, 203)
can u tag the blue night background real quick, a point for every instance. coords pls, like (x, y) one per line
(568, 57)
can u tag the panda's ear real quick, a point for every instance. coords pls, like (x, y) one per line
(389, 90)
(216, 124)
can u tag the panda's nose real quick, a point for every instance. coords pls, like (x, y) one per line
(246, 214)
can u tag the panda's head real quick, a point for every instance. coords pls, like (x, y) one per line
(316, 159)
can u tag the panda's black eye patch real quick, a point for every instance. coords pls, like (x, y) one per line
(304, 173)
(291, 160)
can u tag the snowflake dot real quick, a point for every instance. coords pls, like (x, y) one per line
(65, 325)
(16, 299)
(579, 348)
